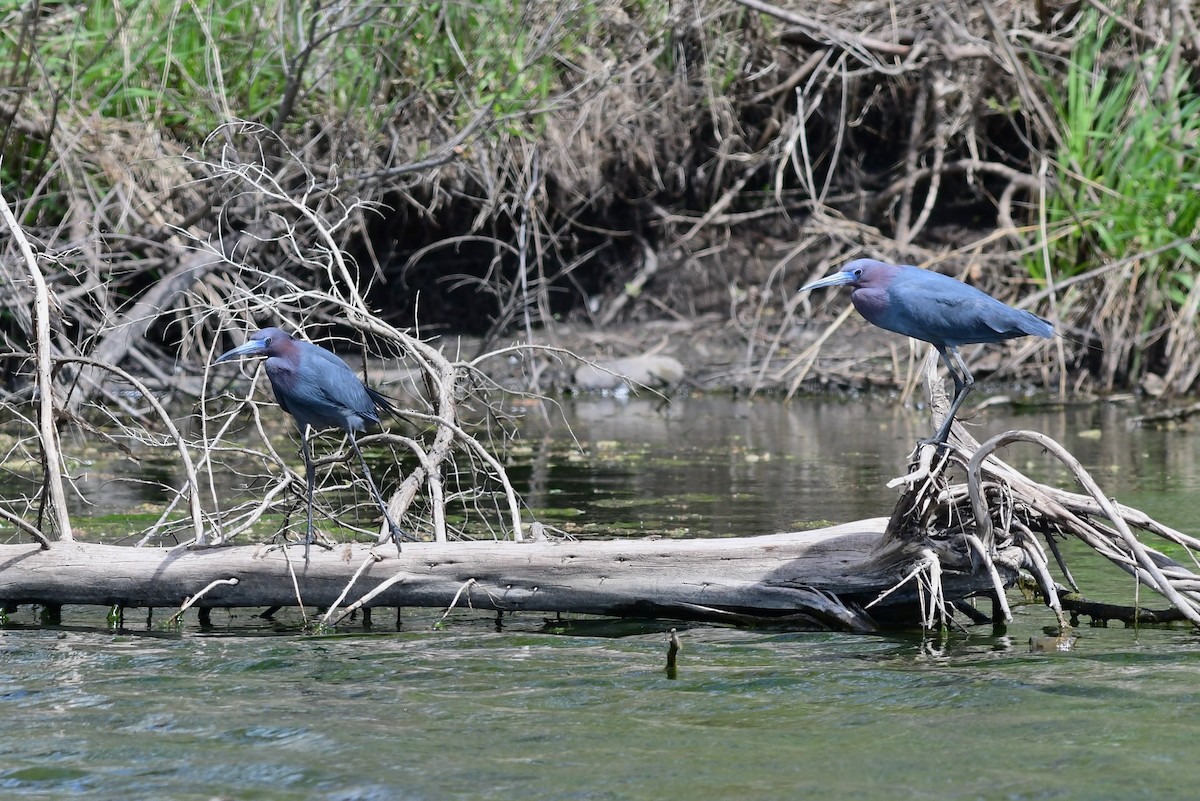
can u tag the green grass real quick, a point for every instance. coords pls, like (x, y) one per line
(166, 61)
(186, 68)
(491, 54)
(1127, 169)
(176, 71)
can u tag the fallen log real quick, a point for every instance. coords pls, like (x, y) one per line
(824, 578)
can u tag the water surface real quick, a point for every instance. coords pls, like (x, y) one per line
(583, 709)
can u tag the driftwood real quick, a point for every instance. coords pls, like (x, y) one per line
(1173, 415)
(998, 509)
(824, 578)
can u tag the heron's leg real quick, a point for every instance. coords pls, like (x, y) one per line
(397, 532)
(968, 379)
(961, 382)
(944, 431)
(962, 387)
(309, 480)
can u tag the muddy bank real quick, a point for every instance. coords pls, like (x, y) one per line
(714, 355)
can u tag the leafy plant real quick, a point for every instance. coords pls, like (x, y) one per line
(1126, 173)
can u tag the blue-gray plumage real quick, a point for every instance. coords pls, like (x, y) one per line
(320, 391)
(934, 308)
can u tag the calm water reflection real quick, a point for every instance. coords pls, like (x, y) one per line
(721, 467)
(583, 710)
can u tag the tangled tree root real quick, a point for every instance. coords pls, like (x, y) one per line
(996, 519)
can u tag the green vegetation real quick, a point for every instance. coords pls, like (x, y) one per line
(164, 61)
(159, 77)
(128, 528)
(191, 67)
(1130, 160)
(1127, 173)
(486, 55)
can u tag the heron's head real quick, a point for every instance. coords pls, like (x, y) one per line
(859, 274)
(266, 342)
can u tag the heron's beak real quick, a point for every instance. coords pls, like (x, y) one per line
(253, 347)
(837, 279)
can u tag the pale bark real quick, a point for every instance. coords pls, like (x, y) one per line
(821, 577)
(51, 456)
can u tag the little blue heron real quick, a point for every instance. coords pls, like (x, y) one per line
(320, 390)
(934, 308)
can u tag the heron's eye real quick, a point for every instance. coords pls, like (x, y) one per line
(858, 273)
(267, 342)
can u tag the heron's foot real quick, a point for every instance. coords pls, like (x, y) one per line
(320, 542)
(398, 534)
(937, 441)
(282, 541)
(280, 545)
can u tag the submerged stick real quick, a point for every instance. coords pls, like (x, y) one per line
(674, 646)
(191, 601)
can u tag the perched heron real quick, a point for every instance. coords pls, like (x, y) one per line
(934, 308)
(320, 391)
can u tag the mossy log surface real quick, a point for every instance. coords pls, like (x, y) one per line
(823, 577)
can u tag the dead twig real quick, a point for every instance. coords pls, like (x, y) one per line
(52, 466)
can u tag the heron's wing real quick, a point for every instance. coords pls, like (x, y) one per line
(982, 318)
(939, 309)
(321, 390)
(346, 386)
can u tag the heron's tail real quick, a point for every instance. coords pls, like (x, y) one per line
(384, 403)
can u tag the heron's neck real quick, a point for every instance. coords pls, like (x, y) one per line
(871, 302)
